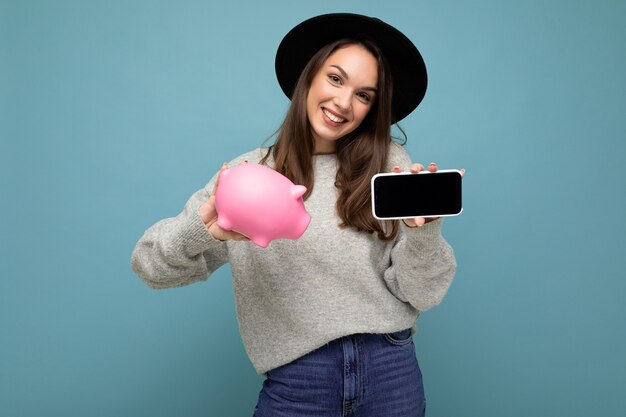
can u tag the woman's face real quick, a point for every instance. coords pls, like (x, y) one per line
(341, 94)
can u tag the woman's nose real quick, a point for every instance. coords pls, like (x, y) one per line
(343, 100)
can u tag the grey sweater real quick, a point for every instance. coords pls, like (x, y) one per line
(295, 296)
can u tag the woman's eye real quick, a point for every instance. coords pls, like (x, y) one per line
(364, 96)
(334, 79)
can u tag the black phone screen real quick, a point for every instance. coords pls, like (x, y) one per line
(417, 195)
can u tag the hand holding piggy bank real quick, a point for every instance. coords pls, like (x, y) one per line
(260, 203)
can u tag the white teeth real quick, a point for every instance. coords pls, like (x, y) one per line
(333, 117)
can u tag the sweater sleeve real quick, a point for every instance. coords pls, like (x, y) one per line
(422, 266)
(180, 250)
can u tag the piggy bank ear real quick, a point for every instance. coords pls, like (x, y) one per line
(298, 191)
(224, 173)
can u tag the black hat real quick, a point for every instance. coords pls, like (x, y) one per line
(406, 63)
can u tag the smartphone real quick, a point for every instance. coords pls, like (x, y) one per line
(426, 194)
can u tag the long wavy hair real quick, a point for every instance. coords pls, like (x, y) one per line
(360, 154)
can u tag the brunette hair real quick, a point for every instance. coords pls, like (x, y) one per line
(360, 154)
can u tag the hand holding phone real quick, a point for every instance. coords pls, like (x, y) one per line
(418, 194)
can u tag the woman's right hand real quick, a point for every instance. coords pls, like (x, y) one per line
(208, 214)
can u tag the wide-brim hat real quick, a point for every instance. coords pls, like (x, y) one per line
(407, 65)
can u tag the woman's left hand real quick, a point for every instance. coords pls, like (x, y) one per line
(415, 168)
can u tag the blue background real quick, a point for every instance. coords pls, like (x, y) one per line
(114, 112)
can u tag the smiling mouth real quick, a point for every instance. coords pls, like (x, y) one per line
(333, 117)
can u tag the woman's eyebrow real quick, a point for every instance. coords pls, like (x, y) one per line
(341, 70)
(345, 75)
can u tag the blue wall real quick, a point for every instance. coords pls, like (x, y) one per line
(114, 112)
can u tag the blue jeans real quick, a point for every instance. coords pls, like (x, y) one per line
(361, 375)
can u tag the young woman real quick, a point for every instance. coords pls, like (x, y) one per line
(327, 318)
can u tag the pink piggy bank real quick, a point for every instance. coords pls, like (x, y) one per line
(261, 203)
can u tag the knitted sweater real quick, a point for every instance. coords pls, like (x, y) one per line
(295, 296)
